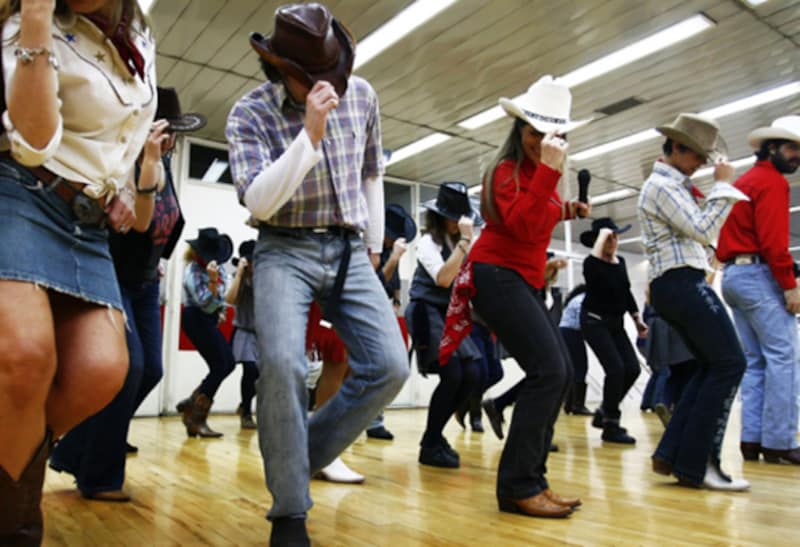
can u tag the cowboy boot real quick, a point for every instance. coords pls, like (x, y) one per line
(246, 418)
(579, 400)
(475, 422)
(201, 404)
(186, 408)
(20, 501)
(461, 413)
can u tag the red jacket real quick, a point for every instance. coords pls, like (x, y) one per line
(527, 215)
(761, 226)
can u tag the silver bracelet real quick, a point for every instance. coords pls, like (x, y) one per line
(26, 55)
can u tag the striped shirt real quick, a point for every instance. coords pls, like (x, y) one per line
(675, 229)
(264, 123)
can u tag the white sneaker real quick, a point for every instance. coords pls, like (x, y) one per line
(715, 481)
(337, 471)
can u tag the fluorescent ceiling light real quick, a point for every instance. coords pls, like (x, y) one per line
(756, 2)
(647, 46)
(636, 239)
(633, 52)
(794, 209)
(418, 146)
(475, 190)
(752, 101)
(147, 5)
(215, 170)
(398, 26)
(741, 162)
(611, 196)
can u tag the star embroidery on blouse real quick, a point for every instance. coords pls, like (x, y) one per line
(71, 37)
(100, 56)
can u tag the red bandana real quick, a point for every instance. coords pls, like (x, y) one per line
(458, 322)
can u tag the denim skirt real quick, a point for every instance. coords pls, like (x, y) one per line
(41, 242)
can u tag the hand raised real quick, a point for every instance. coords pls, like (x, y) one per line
(320, 100)
(554, 150)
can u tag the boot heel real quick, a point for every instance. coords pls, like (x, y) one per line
(507, 506)
(771, 458)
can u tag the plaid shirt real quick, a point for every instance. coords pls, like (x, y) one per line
(675, 229)
(196, 291)
(264, 123)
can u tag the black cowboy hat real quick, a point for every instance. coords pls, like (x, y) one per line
(590, 236)
(212, 245)
(309, 44)
(246, 249)
(169, 108)
(399, 223)
(453, 202)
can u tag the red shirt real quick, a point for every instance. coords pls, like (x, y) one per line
(527, 215)
(761, 226)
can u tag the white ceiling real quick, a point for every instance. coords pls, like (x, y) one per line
(462, 60)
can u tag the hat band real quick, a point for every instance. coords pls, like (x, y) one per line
(547, 119)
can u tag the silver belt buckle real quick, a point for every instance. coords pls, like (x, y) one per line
(743, 259)
(322, 230)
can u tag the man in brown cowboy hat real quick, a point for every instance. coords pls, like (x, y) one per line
(307, 162)
(760, 287)
(675, 232)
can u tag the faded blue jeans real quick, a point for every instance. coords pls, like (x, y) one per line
(293, 268)
(769, 336)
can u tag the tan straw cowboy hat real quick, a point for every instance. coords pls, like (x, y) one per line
(696, 133)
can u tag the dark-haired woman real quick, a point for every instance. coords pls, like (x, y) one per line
(440, 252)
(79, 102)
(504, 278)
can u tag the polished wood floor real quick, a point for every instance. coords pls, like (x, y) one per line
(211, 492)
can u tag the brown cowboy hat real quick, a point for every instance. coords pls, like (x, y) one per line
(309, 44)
(696, 133)
(169, 108)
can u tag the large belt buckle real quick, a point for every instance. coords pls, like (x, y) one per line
(743, 259)
(88, 210)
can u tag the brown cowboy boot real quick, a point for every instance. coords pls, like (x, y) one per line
(246, 418)
(186, 408)
(197, 425)
(20, 502)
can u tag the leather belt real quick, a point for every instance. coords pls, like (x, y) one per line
(744, 259)
(85, 209)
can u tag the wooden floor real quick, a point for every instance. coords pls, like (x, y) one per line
(211, 492)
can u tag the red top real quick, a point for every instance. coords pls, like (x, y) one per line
(527, 217)
(761, 226)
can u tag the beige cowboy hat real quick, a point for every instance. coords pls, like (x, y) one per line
(697, 133)
(546, 106)
(785, 128)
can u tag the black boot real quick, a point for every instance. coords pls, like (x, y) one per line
(579, 400)
(20, 502)
(615, 433)
(475, 414)
(461, 413)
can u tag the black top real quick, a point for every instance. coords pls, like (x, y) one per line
(608, 289)
(136, 254)
(424, 287)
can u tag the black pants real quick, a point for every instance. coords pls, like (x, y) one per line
(247, 386)
(516, 313)
(611, 345)
(695, 432)
(458, 381)
(201, 328)
(577, 353)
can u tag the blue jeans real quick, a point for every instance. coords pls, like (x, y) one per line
(202, 330)
(293, 268)
(694, 435)
(769, 336)
(94, 451)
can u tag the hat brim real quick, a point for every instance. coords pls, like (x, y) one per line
(588, 238)
(688, 141)
(221, 254)
(337, 76)
(409, 230)
(757, 136)
(512, 109)
(191, 121)
(476, 217)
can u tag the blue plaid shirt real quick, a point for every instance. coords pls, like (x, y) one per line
(196, 291)
(675, 229)
(264, 123)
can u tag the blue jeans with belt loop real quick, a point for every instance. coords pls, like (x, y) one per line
(293, 267)
(694, 435)
(769, 336)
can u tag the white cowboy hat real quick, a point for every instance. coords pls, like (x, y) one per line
(545, 106)
(786, 128)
